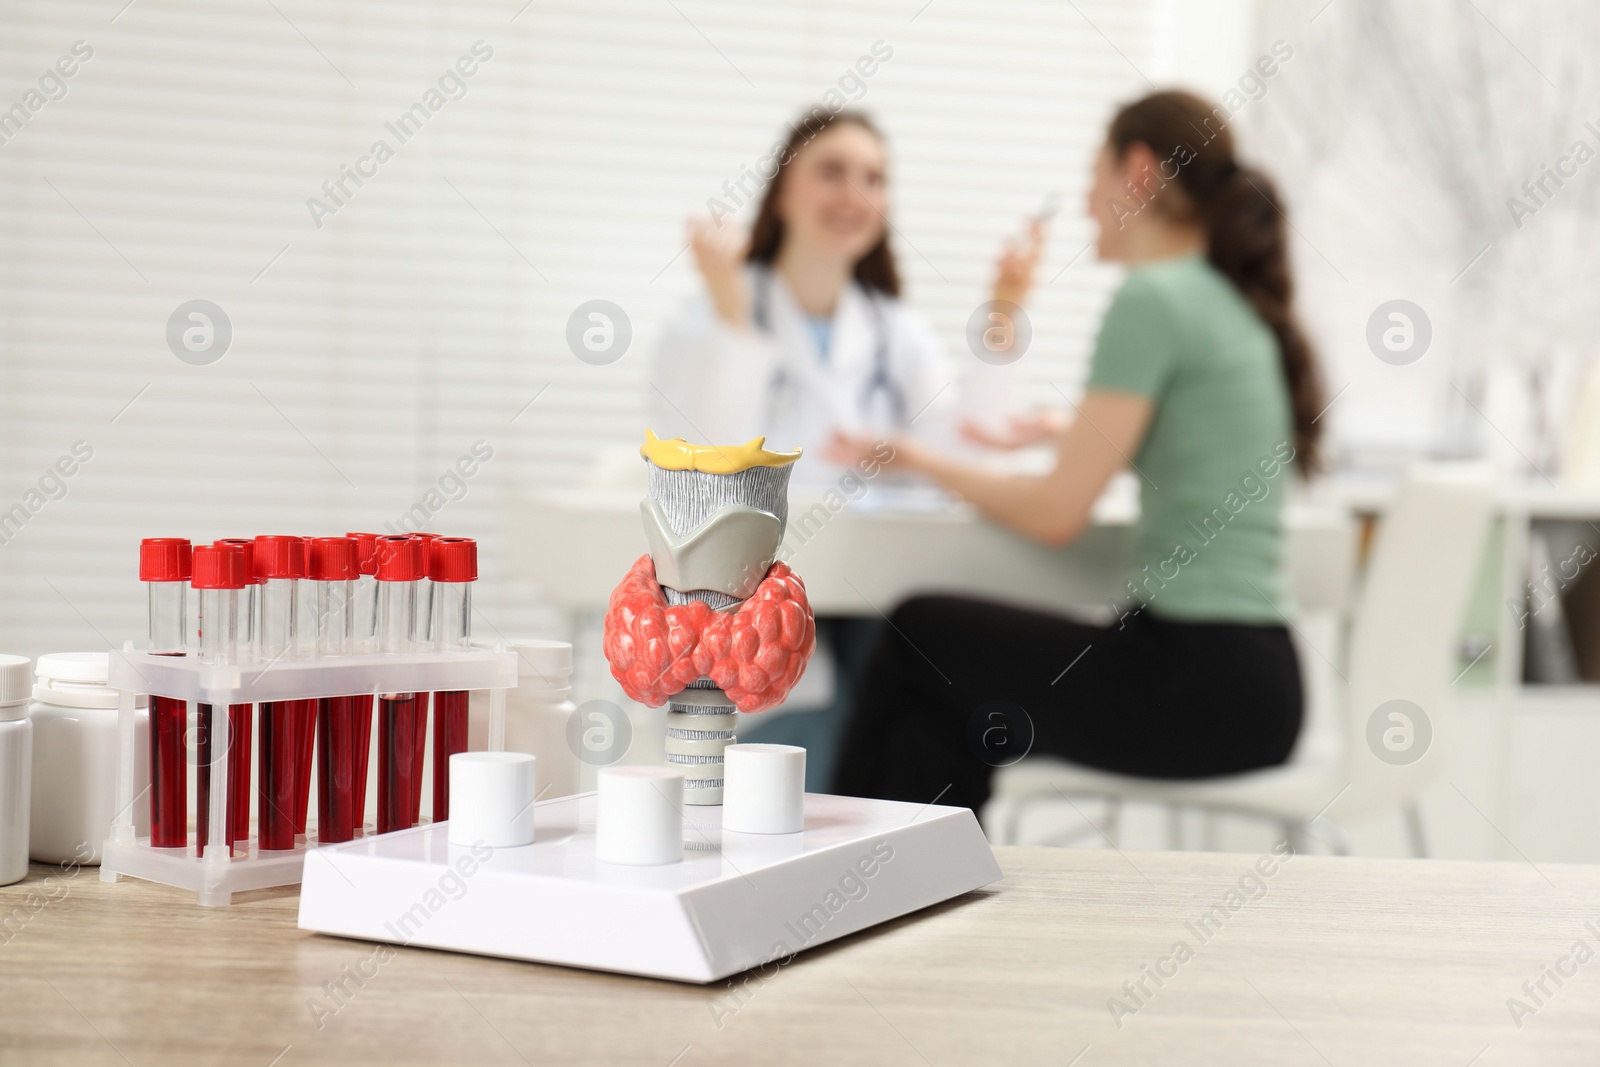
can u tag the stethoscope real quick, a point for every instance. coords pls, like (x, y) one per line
(879, 381)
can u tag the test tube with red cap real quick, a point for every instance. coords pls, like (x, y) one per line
(333, 569)
(279, 563)
(401, 568)
(165, 567)
(222, 579)
(452, 568)
(241, 725)
(365, 624)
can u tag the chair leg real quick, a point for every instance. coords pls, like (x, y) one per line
(1010, 822)
(1294, 832)
(995, 819)
(1414, 830)
(1113, 827)
(1334, 835)
(1175, 827)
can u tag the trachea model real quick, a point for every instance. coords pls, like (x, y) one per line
(709, 620)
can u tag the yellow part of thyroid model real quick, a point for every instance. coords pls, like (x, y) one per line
(676, 454)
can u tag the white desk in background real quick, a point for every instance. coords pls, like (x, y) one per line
(865, 558)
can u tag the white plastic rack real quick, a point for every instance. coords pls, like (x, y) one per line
(220, 872)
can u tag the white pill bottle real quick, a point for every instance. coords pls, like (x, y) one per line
(74, 717)
(537, 712)
(16, 763)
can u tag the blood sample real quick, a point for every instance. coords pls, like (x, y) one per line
(241, 718)
(452, 568)
(401, 567)
(165, 567)
(333, 570)
(221, 575)
(279, 562)
(365, 624)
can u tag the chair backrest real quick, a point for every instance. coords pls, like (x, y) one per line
(1405, 633)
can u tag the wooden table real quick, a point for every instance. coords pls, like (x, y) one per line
(1334, 961)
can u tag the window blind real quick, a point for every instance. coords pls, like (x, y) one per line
(384, 329)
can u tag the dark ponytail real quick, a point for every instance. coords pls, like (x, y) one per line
(1245, 226)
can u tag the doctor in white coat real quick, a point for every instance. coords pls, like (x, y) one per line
(801, 334)
(801, 331)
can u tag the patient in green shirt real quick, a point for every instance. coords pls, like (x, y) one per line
(1204, 387)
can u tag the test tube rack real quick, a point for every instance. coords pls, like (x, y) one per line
(222, 871)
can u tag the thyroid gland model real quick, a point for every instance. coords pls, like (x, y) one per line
(709, 621)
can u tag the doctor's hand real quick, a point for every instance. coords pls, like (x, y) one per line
(719, 252)
(1035, 427)
(1018, 263)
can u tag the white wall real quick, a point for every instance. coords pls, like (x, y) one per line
(370, 353)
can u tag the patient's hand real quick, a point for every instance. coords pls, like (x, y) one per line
(1038, 426)
(849, 448)
(1019, 260)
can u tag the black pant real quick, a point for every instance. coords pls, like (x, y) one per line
(957, 687)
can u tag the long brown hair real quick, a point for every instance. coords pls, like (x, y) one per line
(1245, 224)
(874, 271)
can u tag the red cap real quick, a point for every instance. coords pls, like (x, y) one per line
(332, 559)
(221, 566)
(401, 559)
(164, 559)
(366, 551)
(453, 559)
(426, 536)
(279, 556)
(246, 543)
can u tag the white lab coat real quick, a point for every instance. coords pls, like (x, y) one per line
(713, 383)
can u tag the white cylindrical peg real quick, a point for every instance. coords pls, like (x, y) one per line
(640, 816)
(763, 789)
(491, 799)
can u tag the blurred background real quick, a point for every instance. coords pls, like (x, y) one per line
(359, 341)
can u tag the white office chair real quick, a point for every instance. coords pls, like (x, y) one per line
(1402, 646)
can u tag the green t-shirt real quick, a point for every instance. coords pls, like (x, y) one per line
(1218, 454)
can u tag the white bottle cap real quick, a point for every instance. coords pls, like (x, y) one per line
(640, 820)
(491, 799)
(535, 655)
(763, 789)
(16, 687)
(76, 680)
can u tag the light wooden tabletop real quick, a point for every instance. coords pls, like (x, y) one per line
(1324, 961)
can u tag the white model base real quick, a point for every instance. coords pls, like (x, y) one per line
(733, 904)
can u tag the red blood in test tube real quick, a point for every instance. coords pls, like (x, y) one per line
(399, 785)
(241, 727)
(275, 787)
(279, 557)
(335, 559)
(451, 562)
(167, 559)
(402, 717)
